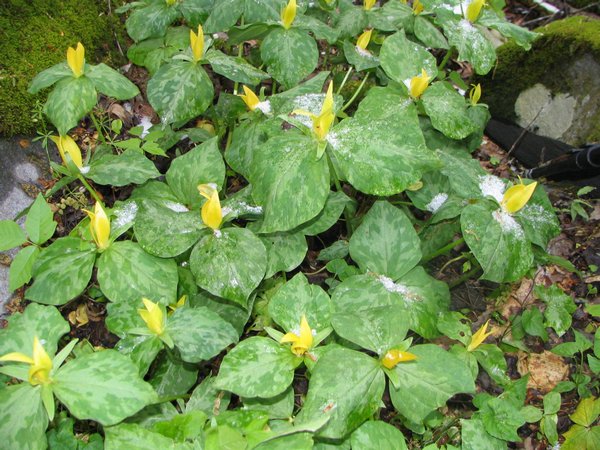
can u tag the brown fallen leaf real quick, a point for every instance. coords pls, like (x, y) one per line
(24, 143)
(79, 317)
(545, 370)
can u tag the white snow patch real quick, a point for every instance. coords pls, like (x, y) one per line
(84, 169)
(492, 186)
(363, 52)
(264, 107)
(508, 223)
(218, 234)
(436, 202)
(390, 286)
(177, 207)
(146, 123)
(125, 215)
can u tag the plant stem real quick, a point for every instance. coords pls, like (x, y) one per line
(464, 277)
(344, 80)
(98, 129)
(445, 249)
(274, 88)
(446, 58)
(90, 189)
(338, 187)
(355, 94)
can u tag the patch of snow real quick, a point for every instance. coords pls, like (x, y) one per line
(492, 186)
(390, 286)
(264, 107)
(146, 123)
(218, 234)
(436, 202)
(177, 207)
(84, 169)
(126, 214)
(363, 52)
(508, 223)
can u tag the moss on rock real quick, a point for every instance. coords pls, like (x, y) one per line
(34, 35)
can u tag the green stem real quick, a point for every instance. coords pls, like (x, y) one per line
(274, 88)
(464, 277)
(446, 59)
(98, 129)
(338, 187)
(344, 80)
(442, 251)
(90, 189)
(355, 93)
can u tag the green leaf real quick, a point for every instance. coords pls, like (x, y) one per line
(182, 427)
(229, 263)
(521, 35)
(45, 322)
(548, 428)
(351, 398)
(552, 402)
(351, 21)
(40, 224)
(199, 334)
(150, 20)
(538, 219)
(63, 437)
(62, 271)
(11, 235)
(359, 58)
(290, 55)
(141, 349)
(126, 273)
(234, 313)
(377, 434)
(288, 181)
(203, 164)
(297, 298)
(23, 419)
(180, 91)
(587, 412)
(492, 360)
(285, 251)
(102, 386)
(223, 15)
(207, 398)
(328, 217)
(447, 110)
(429, 34)
(120, 170)
(501, 419)
(257, 367)
(279, 407)
(235, 68)
(71, 99)
(474, 436)
(385, 242)
(533, 323)
(123, 317)
(472, 45)
(559, 307)
(21, 267)
(393, 16)
(224, 437)
(581, 344)
(110, 82)
(454, 325)
(320, 30)
(497, 241)
(402, 59)
(429, 381)
(581, 438)
(532, 414)
(134, 437)
(172, 377)
(167, 229)
(49, 76)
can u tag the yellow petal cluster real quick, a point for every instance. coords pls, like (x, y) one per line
(474, 9)
(40, 364)
(197, 43)
(99, 226)
(322, 122)
(475, 94)
(250, 98)
(75, 59)
(67, 146)
(368, 4)
(517, 196)
(417, 7)
(302, 341)
(153, 316)
(418, 84)
(170, 2)
(479, 336)
(288, 14)
(211, 213)
(364, 39)
(394, 356)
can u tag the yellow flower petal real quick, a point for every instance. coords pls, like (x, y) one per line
(153, 316)
(302, 341)
(170, 2)
(474, 9)
(99, 226)
(364, 39)
(479, 336)
(250, 98)
(417, 7)
(75, 59)
(322, 122)
(288, 14)
(475, 94)
(418, 84)
(395, 356)
(368, 4)
(67, 146)
(517, 196)
(197, 43)
(211, 212)
(40, 364)
(16, 357)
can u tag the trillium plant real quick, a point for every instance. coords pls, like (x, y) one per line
(334, 124)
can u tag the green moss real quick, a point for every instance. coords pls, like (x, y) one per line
(34, 35)
(559, 43)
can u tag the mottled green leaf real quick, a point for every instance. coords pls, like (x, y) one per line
(62, 271)
(403, 59)
(351, 21)
(501, 419)
(182, 427)
(172, 377)
(429, 34)
(103, 386)
(71, 99)
(235, 68)
(474, 436)
(180, 91)
(279, 407)
(151, 20)
(127, 273)
(21, 267)
(229, 263)
(538, 219)
(129, 167)
(472, 45)
(290, 55)
(328, 217)
(40, 224)
(123, 316)
(232, 312)
(11, 235)
(223, 15)
(141, 349)
(361, 59)
(351, 398)
(110, 82)
(447, 110)
(385, 242)
(134, 437)
(377, 434)
(49, 76)
(207, 398)
(285, 251)
(521, 35)
(492, 360)
(257, 367)
(23, 419)
(581, 438)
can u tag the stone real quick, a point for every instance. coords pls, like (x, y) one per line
(553, 89)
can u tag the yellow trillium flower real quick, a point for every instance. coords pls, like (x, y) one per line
(288, 14)
(394, 356)
(363, 39)
(474, 9)
(250, 98)
(418, 84)
(517, 196)
(179, 304)
(417, 7)
(301, 341)
(479, 336)
(475, 94)
(197, 43)
(368, 4)
(211, 213)
(75, 59)
(66, 145)
(99, 226)
(170, 2)
(322, 123)
(40, 364)
(153, 316)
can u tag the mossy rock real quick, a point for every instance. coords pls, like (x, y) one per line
(34, 35)
(558, 76)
